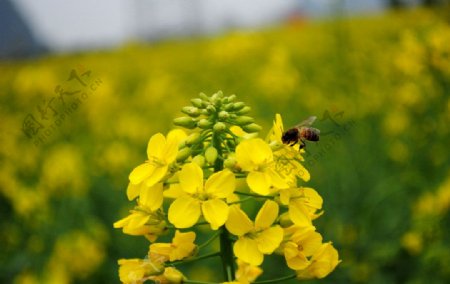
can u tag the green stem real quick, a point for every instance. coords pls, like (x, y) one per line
(194, 258)
(253, 195)
(277, 280)
(226, 248)
(205, 244)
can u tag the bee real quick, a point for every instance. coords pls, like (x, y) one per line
(301, 132)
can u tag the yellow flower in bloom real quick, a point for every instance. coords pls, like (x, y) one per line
(287, 158)
(170, 276)
(182, 246)
(161, 152)
(199, 198)
(132, 271)
(303, 204)
(247, 273)
(255, 239)
(145, 219)
(323, 262)
(303, 243)
(256, 157)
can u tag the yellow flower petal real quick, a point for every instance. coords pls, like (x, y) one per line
(215, 212)
(133, 190)
(141, 172)
(247, 250)
(294, 259)
(156, 176)
(155, 147)
(322, 263)
(238, 222)
(266, 215)
(184, 212)
(269, 239)
(259, 182)
(276, 179)
(174, 139)
(191, 178)
(174, 191)
(253, 152)
(313, 199)
(299, 214)
(221, 184)
(183, 244)
(152, 197)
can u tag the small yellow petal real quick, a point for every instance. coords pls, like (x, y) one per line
(152, 197)
(141, 172)
(247, 250)
(191, 178)
(221, 184)
(238, 222)
(259, 182)
(156, 176)
(266, 215)
(155, 147)
(184, 212)
(215, 212)
(174, 191)
(133, 190)
(295, 259)
(173, 140)
(299, 214)
(269, 239)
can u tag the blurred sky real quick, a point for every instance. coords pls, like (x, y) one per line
(62, 25)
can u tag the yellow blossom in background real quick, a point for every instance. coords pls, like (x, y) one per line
(170, 276)
(161, 152)
(256, 157)
(182, 246)
(202, 199)
(323, 262)
(247, 273)
(255, 239)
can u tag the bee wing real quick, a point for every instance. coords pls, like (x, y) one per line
(307, 122)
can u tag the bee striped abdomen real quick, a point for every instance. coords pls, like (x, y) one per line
(309, 133)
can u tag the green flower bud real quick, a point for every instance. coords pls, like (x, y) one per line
(199, 160)
(198, 103)
(185, 121)
(204, 123)
(183, 154)
(211, 109)
(238, 105)
(217, 96)
(244, 110)
(204, 97)
(229, 99)
(228, 107)
(219, 127)
(194, 138)
(223, 115)
(211, 155)
(191, 111)
(243, 120)
(230, 162)
(250, 128)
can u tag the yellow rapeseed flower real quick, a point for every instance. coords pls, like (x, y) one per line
(256, 157)
(323, 262)
(132, 271)
(202, 199)
(182, 246)
(161, 152)
(255, 239)
(303, 243)
(303, 204)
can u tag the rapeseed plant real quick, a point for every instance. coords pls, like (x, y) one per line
(197, 174)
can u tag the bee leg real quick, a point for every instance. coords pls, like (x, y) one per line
(302, 145)
(293, 143)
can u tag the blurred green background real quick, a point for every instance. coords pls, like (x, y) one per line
(380, 86)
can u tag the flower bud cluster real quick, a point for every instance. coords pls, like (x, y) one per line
(214, 116)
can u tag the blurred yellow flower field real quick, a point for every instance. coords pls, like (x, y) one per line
(73, 127)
